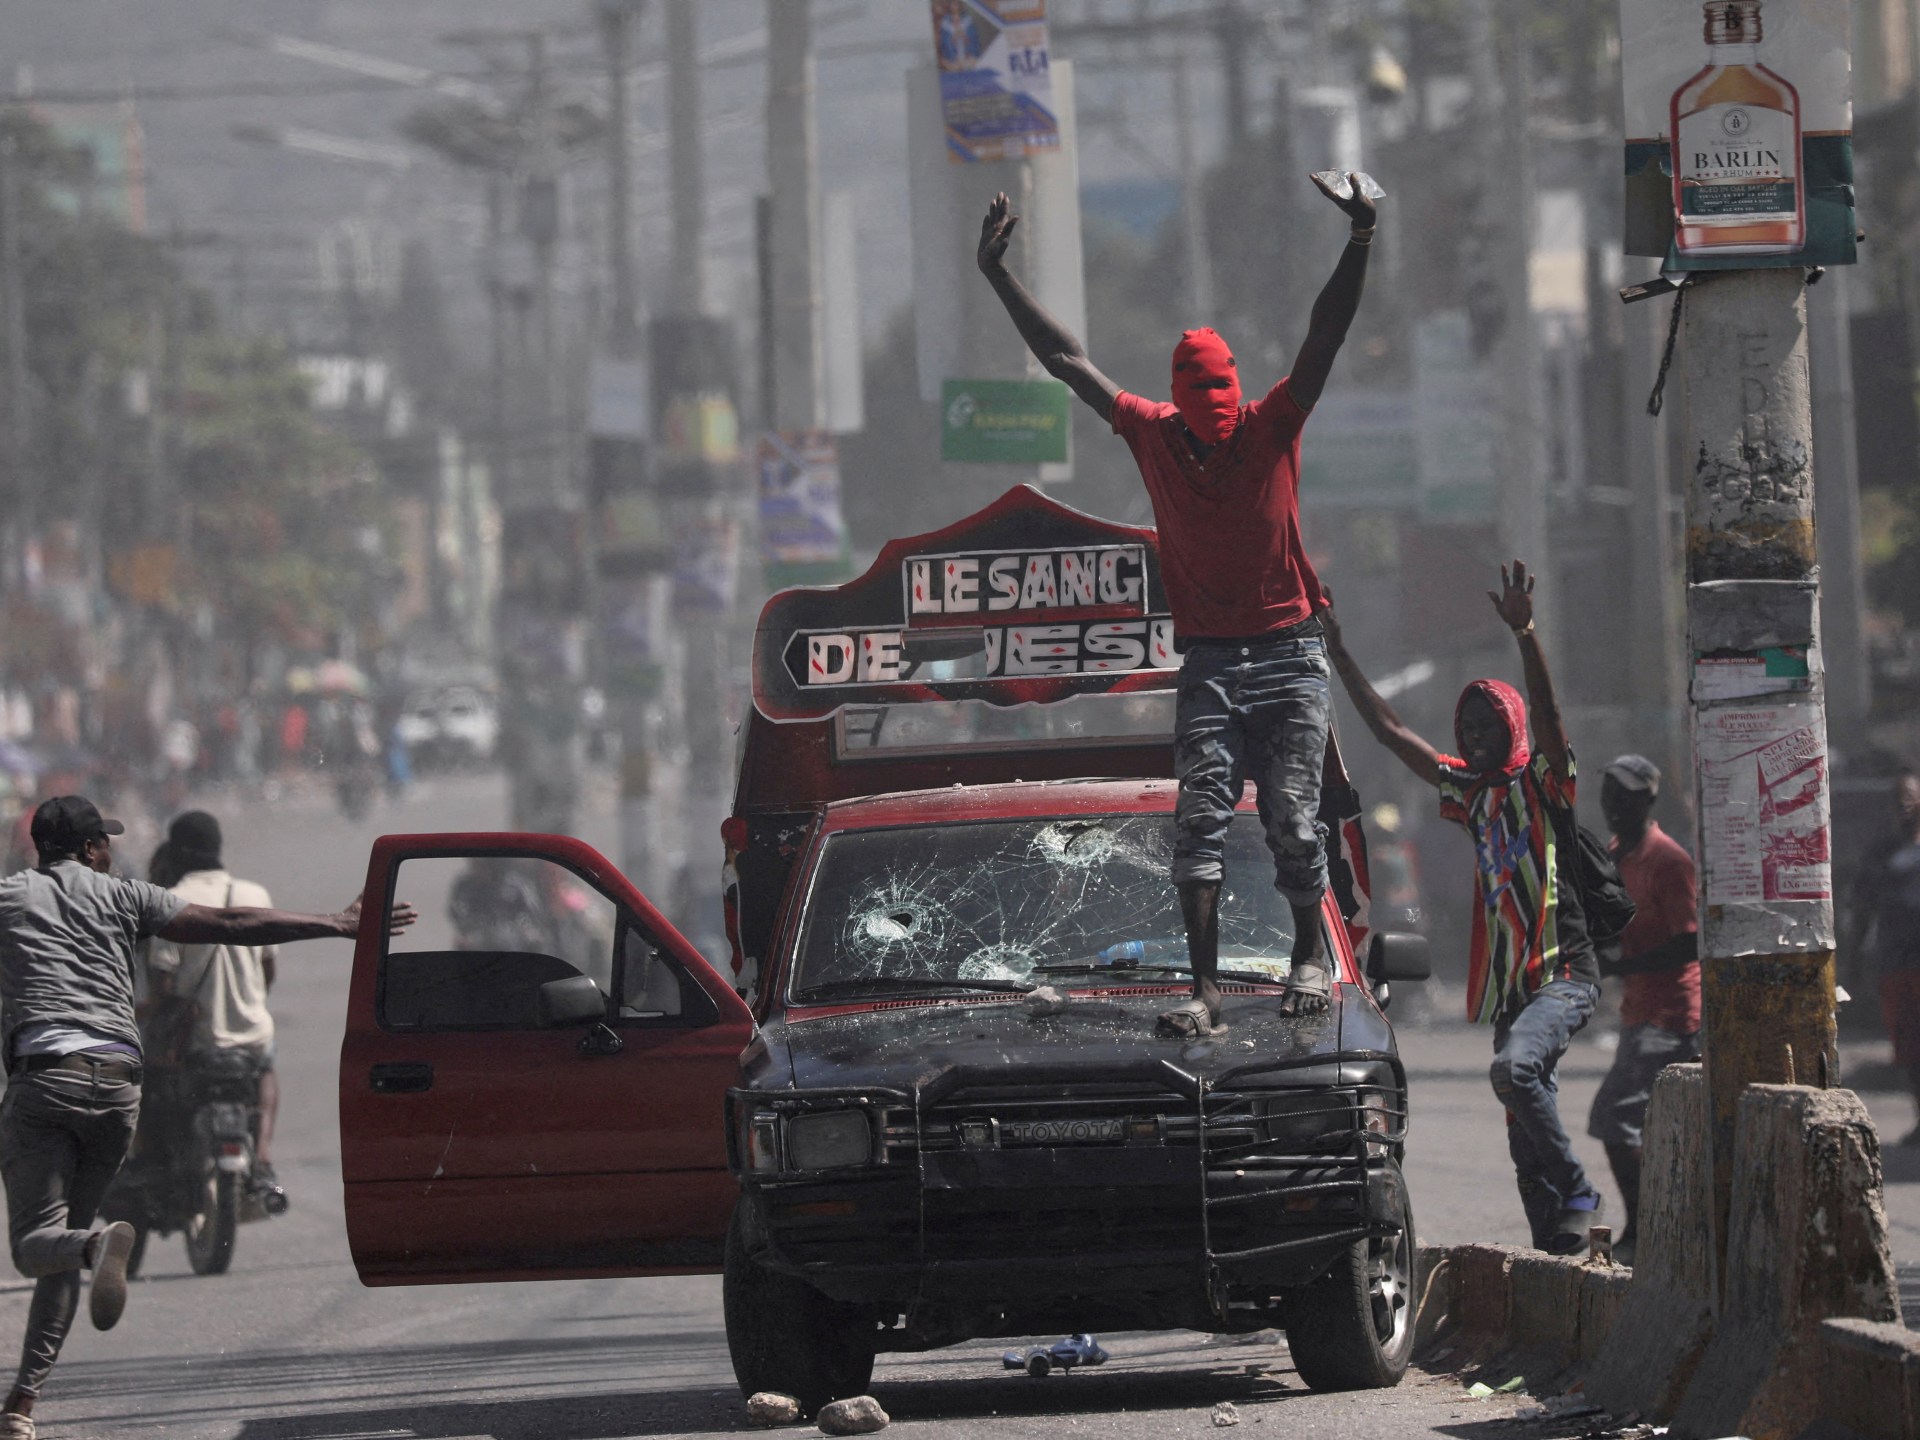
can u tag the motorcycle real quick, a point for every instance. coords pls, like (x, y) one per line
(191, 1167)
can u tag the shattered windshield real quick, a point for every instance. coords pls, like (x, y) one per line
(1001, 904)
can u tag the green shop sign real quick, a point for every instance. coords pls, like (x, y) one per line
(1004, 422)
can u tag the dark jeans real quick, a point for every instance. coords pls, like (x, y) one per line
(1619, 1111)
(1262, 710)
(62, 1137)
(1527, 1047)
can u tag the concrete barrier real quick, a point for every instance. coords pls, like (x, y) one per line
(1484, 1294)
(1539, 1315)
(1436, 1311)
(1806, 1242)
(1869, 1381)
(1643, 1360)
(1603, 1298)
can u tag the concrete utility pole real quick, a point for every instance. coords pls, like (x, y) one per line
(793, 189)
(1766, 929)
(1193, 199)
(1501, 66)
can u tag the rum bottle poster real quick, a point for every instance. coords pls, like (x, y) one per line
(1739, 119)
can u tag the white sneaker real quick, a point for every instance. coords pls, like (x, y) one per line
(15, 1427)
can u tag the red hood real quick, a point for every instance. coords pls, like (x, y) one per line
(1510, 707)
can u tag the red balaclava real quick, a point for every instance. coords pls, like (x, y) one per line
(1509, 706)
(1210, 414)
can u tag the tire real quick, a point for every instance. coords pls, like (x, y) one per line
(1352, 1329)
(786, 1336)
(210, 1233)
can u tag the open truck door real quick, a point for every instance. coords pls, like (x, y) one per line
(533, 1076)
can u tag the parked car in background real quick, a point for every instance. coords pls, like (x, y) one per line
(449, 726)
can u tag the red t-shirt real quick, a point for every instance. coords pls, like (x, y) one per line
(1665, 886)
(1230, 550)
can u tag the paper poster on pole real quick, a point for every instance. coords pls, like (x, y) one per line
(1739, 120)
(995, 79)
(803, 532)
(1763, 799)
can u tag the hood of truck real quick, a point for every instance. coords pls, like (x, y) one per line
(904, 1045)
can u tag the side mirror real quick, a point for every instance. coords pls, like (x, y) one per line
(575, 1000)
(1392, 956)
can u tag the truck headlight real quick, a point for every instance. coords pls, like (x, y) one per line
(1380, 1112)
(1311, 1122)
(830, 1140)
(763, 1143)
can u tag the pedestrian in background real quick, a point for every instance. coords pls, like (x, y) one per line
(1658, 959)
(68, 929)
(1885, 915)
(215, 996)
(1532, 974)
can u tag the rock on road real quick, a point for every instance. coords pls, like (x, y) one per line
(289, 1346)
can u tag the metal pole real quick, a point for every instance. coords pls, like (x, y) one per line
(686, 181)
(1766, 914)
(13, 335)
(616, 26)
(794, 191)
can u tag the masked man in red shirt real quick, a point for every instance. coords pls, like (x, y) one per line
(1254, 699)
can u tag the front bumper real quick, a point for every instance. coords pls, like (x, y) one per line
(1072, 1190)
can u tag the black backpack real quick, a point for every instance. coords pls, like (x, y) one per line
(1603, 894)
(1604, 900)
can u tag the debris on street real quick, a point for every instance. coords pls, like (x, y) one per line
(1480, 1390)
(861, 1415)
(768, 1407)
(1041, 1360)
(1225, 1414)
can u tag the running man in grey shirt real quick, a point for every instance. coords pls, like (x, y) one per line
(68, 929)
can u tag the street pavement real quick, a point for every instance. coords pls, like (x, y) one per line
(289, 1346)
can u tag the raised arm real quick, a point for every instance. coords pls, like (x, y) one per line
(1056, 347)
(1387, 727)
(1514, 604)
(1339, 299)
(252, 925)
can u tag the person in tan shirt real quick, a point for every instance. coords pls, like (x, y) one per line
(217, 993)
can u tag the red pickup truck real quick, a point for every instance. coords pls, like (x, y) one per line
(955, 790)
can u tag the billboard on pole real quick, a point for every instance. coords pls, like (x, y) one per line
(1739, 120)
(803, 532)
(995, 79)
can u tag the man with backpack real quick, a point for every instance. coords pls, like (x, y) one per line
(1533, 974)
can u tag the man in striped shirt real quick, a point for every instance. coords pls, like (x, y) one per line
(1533, 975)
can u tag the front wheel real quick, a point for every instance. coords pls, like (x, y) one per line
(1352, 1329)
(786, 1336)
(211, 1232)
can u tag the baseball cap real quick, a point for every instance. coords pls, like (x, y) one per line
(67, 822)
(1636, 772)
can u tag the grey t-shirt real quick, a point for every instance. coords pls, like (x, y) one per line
(67, 935)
